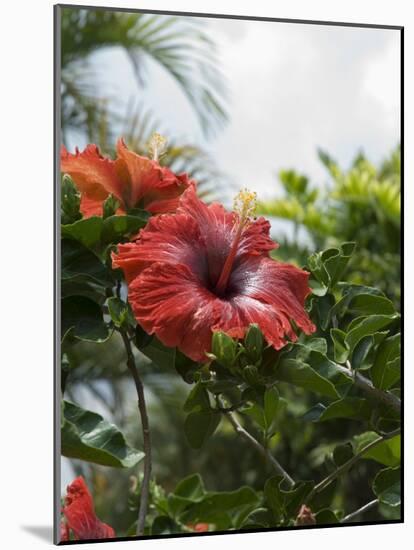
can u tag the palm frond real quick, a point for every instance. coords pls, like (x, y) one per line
(180, 45)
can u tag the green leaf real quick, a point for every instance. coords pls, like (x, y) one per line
(110, 206)
(191, 488)
(315, 344)
(70, 201)
(387, 452)
(321, 310)
(370, 304)
(321, 364)
(87, 436)
(386, 370)
(257, 519)
(335, 264)
(81, 265)
(84, 318)
(120, 312)
(256, 412)
(115, 228)
(350, 407)
(285, 503)
(314, 414)
(197, 400)
(215, 505)
(303, 375)
(224, 349)
(87, 231)
(361, 353)
(347, 305)
(199, 426)
(326, 517)
(362, 327)
(341, 350)
(251, 375)
(387, 486)
(253, 342)
(327, 266)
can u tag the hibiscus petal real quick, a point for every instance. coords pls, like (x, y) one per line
(90, 207)
(134, 169)
(169, 301)
(94, 175)
(166, 238)
(155, 188)
(280, 289)
(80, 514)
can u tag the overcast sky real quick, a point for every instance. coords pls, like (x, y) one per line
(293, 88)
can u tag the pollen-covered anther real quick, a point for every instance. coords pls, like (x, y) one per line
(157, 145)
(245, 204)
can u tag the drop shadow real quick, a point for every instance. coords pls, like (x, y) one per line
(43, 532)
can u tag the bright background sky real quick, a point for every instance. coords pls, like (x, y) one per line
(292, 88)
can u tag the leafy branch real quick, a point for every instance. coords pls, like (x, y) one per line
(349, 463)
(361, 510)
(367, 386)
(238, 428)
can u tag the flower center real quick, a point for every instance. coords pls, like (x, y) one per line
(244, 207)
(157, 145)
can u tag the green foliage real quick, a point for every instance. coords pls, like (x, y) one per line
(70, 203)
(362, 204)
(387, 486)
(314, 405)
(83, 319)
(87, 436)
(96, 232)
(284, 504)
(386, 370)
(388, 452)
(178, 45)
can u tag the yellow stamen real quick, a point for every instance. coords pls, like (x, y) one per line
(157, 145)
(245, 206)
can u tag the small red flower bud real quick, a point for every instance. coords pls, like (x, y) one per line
(305, 516)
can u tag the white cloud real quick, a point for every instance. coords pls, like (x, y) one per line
(299, 87)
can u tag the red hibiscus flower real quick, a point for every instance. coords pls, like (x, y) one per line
(79, 515)
(198, 527)
(205, 269)
(136, 181)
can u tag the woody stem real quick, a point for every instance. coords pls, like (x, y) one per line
(145, 487)
(238, 428)
(346, 465)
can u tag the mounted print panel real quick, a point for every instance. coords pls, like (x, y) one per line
(228, 274)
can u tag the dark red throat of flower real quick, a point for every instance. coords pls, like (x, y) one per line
(244, 206)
